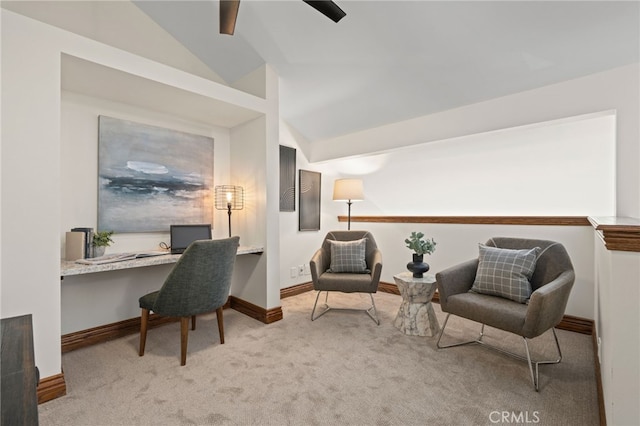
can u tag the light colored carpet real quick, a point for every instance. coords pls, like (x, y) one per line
(341, 369)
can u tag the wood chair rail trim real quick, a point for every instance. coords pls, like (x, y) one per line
(476, 220)
(618, 233)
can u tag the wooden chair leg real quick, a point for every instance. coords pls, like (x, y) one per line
(144, 321)
(220, 324)
(184, 337)
(193, 322)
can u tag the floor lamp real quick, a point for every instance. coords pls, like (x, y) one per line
(348, 190)
(229, 197)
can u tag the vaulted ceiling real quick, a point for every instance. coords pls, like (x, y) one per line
(388, 61)
(384, 62)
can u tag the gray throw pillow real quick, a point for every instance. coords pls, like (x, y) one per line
(505, 272)
(348, 256)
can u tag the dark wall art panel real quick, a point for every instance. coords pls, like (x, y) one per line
(287, 179)
(309, 219)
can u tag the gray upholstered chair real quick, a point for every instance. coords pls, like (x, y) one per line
(198, 283)
(550, 284)
(346, 264)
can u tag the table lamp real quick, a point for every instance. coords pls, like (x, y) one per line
(229, 197)
(348, 190)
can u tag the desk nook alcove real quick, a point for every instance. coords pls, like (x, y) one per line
(98, 302)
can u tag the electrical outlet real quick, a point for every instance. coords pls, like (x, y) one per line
(293, 272)
(307, 269)
(300, 269)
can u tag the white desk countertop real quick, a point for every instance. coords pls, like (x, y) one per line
(70, 267)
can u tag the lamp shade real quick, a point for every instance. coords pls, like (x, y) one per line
(229, 197)
(348, 190)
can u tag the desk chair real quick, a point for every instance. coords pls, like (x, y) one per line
(198, 283)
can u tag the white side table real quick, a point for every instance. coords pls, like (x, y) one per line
(416, 316)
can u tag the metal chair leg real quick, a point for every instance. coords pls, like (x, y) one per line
(467, 342)
(535, 379)
(371, 311)
(327, 308)
(373, 316)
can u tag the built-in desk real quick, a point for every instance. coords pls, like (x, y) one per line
(69, 267)
(103, 298)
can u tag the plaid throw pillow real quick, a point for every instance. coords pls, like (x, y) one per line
(348, 256)
(505, 272)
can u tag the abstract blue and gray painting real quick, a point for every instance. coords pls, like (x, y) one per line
(151, 177)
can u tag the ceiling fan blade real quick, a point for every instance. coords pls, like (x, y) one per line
(228, 16)
(327, 8)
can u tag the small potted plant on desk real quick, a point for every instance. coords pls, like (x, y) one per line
(101, 240)
(420, 247)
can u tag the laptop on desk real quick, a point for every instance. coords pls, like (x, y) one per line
(183, 235)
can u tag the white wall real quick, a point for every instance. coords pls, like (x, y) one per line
(32, 150)
(248, 170)
(88, 301)
(617, 89)
(97, 299)
(79, 164)
(254, 163)
(563, 167)
(297, 247)
(31, 186)
(618, 328)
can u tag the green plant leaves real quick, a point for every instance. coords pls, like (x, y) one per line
(420, 246)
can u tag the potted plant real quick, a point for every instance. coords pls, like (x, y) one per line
(420, 247)
(101, 240)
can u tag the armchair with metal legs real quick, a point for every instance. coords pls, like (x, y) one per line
(551, 285)
(365, 280)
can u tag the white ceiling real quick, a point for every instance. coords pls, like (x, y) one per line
(388, 61)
